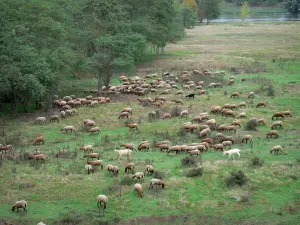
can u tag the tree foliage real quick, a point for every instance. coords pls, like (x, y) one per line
(293, 6)
(209, 9)
(189, 18)
(245, 11)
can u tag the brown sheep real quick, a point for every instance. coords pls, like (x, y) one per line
(222, 127)
(129, 110)
(272, 133)
(128, 146)
(287, 113)
(39, 140)
(194, 152)
(211, 123)
(202, 92)
(138, 175)
(278, 115)
(242, 116)
(163, 146)
(231, 129)
(86, 148)
(235, 94)
(178, 101)
(228, 113)
(176, 149)
(93, 155)
(208, 140)
(205, 144)
(227, 138)
(277, 124)
(236, 123)
(276, 149)
(247, 138)
(218, 147)
(20, 204)
(166, 116)
(124, 115)
(94, 130)
(215, 109)
(144, 145)
(61, 152)
(129, 167)
(204, 132)
(113, 169)
(260, 104)
(54, 118)
(139, 189)
(156, 182)
(132, 126)
(96, 163)
(227, 143)
(41, 157)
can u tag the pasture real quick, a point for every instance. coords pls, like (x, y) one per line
(61, 192)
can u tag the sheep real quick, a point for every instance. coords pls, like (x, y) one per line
(139, 189)
(149, 169)
(93, 155)
(228, 113)
(41, 223)
(152, 114)
(128, 146)
(61, 152)
(278, 115)
(204, 132)
(190, 96)
(227, 143)
(138, 175)
(102, 199)
(94, 104)
(156, 182)
(242, 104)
(212, 123)
(40, 120)
(144, 145)
(251, 95)
(123, 115)
(208, 140)
(132, 126)
(276, 149)
(272, 133)
(129, 110)
(217, 147)
(231, 129)
(184, 113)
(175, 148)
(232, 152)
(242, 116)
(69, 112)
(194, 152)
(227, 138)
(277, 124)
(89, 168)
(178, 101)
(235, 94)
(261, 121)
(94, 130)
(63, 114)
(20, 204)
(125, 152)
(222, 127)
(87, 148)
(69, 128)
(236, 123)
(96, 163)
(180, 92)
(54, 118)
(89, 123)
(247, 138)
(287, 113)
(129, 166)
(166, 116)
(6, 148)
(215, 109)
(260, 104)
(201, 147)
(38, 157)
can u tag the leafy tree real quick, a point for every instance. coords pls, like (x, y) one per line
(245, 11)
(209, 9)
(293, 6)
(191, 4)
(189, 18)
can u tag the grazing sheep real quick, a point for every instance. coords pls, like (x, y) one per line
(232, 152)
(205, 144)
(144, 145)
(235, 94)
(287, 113)
(96, 163)
(41, 157)
(125, 152)
(156, 182)
(129, 110)
(63, 114)
(242, 116)
(228, 113)
(194, 152)
(129, 167)
(278, 115)
(166, 116)
(180, 92)
(272, 133)
(231, 129)
(138, 175)
(89, 123)
(217, 147)
(260, 104)
(204, 132)
(89, 168)
(236, 123)
(87, 148)
(247, 138)
(69, 112)
(215, 109)
(94, 130)
(152, 114)
(128, 146)
(124, 115)
(227, 143)
(184, 113)
(54, 118)
(61, 152)
(222, 127)
(277, 124)
(40, 120)
(149, 169)
(251, 95)
(39, 140)
(261, 121)
(92, 155)
(20, 204)
(242, 104)
(190, 96)
(139, 189)
(94, 104)
(227, 138)
(276, 149)
(132, 126)
(212, 123)
(178, 101)
(69, 128)
(102, 199)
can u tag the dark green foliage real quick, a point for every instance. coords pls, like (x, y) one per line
(209, 9)
(189, 18)
(257, 162)
(251, 124)
(236, 178)
(127, 180)
(175, 111)
(293, 6)
(195, 172)
(271, 90)
(298, 160)
(189, 161)
(158, 174)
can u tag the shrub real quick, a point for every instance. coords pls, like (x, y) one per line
(271, 90)
(127, 180)
(251, 124)
(195, 172)
(256, 161)
(236, 178)
(158, 174)
(246, 197)
(175, 111)
(189, 161)
(298, 160)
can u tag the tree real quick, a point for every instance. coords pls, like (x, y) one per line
(245, 11)
(189, 18)
(191, 4)
(209, 9)
(293, 6)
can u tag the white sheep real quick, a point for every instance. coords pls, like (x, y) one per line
(40, 120)
(232, 152)
(20, 204)
(139, 189)
(184, 113)
(138, 175)
(89, 168)
(69, 128)
(102, 199)
(125, 152)
(156, 182)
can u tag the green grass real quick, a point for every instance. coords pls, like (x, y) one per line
(62, 193)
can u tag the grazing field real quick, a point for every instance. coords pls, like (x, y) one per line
(266, 55)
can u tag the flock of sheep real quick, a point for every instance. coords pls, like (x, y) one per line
(203, 123)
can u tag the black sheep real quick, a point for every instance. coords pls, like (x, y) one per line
(190, 96)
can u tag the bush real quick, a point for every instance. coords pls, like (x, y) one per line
(256, 161)
(158, 174)
(189, 161)
(236, 178)
(175, 111)
(245, 198)
(195, 172)
(251, 124)
(127, 180)
(298, 160)
(270, 90)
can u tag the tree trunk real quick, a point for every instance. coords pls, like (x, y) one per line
(13, 103)
(100, 83)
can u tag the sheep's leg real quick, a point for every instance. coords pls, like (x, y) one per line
(229, 156)
(238, 154)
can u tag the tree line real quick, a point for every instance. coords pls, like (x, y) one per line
(41, 40)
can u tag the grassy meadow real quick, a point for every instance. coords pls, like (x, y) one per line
(61, 192)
